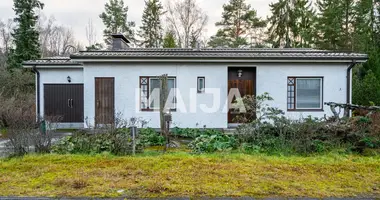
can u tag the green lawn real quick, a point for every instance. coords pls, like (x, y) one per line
(182, 174)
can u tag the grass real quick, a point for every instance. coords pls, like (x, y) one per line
(179, 174)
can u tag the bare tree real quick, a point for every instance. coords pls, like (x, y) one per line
(5, 40)
(5, 35)
(91, 33)
(187, 20)
(54, 38)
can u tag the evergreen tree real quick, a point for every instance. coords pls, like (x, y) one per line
(367, 90)
(304, 24)
(151, 29)
(237, 19)
(219, 40)
(115, 19)
(169, 40)
(366, 78)
(364, 26)
(25, 34)
(292, 23)
(334, 24)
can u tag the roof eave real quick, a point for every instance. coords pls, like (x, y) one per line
(52, 65)
(216, 59)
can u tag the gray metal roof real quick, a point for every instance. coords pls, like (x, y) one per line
(225, 53)
(52, 61)
(204, 54)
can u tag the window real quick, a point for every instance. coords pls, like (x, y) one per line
(201, 84)
(149, 93)
(305, 93)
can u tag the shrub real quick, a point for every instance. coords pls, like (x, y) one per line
(118, 142)
(187, 132)
(149, 137)
(212, 141)
(17, 115)
(306, 136)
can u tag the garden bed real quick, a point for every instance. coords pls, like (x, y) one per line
(180, 174)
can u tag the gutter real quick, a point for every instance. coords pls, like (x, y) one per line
(348, 97)
(34, 69)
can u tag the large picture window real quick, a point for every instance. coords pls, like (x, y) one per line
(150, 91)
(305, 93)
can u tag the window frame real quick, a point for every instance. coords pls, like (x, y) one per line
(295, 108)
(148, 109)
(203, 90)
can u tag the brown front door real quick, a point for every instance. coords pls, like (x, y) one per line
(104, 101)
(245, 84)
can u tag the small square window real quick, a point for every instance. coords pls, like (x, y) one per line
(305, 93)
(201, 84)
(149, 98)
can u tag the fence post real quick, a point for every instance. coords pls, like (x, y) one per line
(133, 133)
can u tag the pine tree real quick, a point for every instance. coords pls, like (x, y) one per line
(151, 29)
(115, 19)
(169, 40)
(304, 24)
(364, 26)
(238, 18)
(25, 34)
(334, 24)
(291, 23)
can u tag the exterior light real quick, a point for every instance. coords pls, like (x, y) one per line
(69, 79)
(240, 73)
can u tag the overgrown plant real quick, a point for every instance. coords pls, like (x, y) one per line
(211, 141)
(253, 108)
(187, 132)
(18, 116)
(118, 143)
(150, 137)
(281, 135)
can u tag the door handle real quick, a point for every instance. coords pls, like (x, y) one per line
(68, 103)
(72, 103)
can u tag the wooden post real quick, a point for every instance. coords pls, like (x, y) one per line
(163, 98)
(133, 132)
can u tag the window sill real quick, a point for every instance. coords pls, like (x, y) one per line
(306, 110)
(154, 110)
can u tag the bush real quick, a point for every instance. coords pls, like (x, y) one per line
(306, 136)
(17, 116)
(149, 137)
(117, 143)
(187, 132)
(212, 141)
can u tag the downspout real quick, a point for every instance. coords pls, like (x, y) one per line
(34, 69)
(348, 97)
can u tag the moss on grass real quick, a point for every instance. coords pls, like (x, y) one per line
(182, 174)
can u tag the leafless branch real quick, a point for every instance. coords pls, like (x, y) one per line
(187, 20)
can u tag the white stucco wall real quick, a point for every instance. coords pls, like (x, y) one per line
(272, 78)
(58, 76)
(127, 81)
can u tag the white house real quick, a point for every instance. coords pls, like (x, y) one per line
(90, 87)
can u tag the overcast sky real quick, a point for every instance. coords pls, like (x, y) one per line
(76, 13)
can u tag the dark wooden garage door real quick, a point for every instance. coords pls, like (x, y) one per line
(64, 100)
(104, 101)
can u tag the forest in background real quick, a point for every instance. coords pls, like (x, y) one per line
(339, 25)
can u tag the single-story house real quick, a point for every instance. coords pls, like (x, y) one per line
(92, 87)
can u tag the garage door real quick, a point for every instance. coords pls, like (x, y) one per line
(64, 100)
